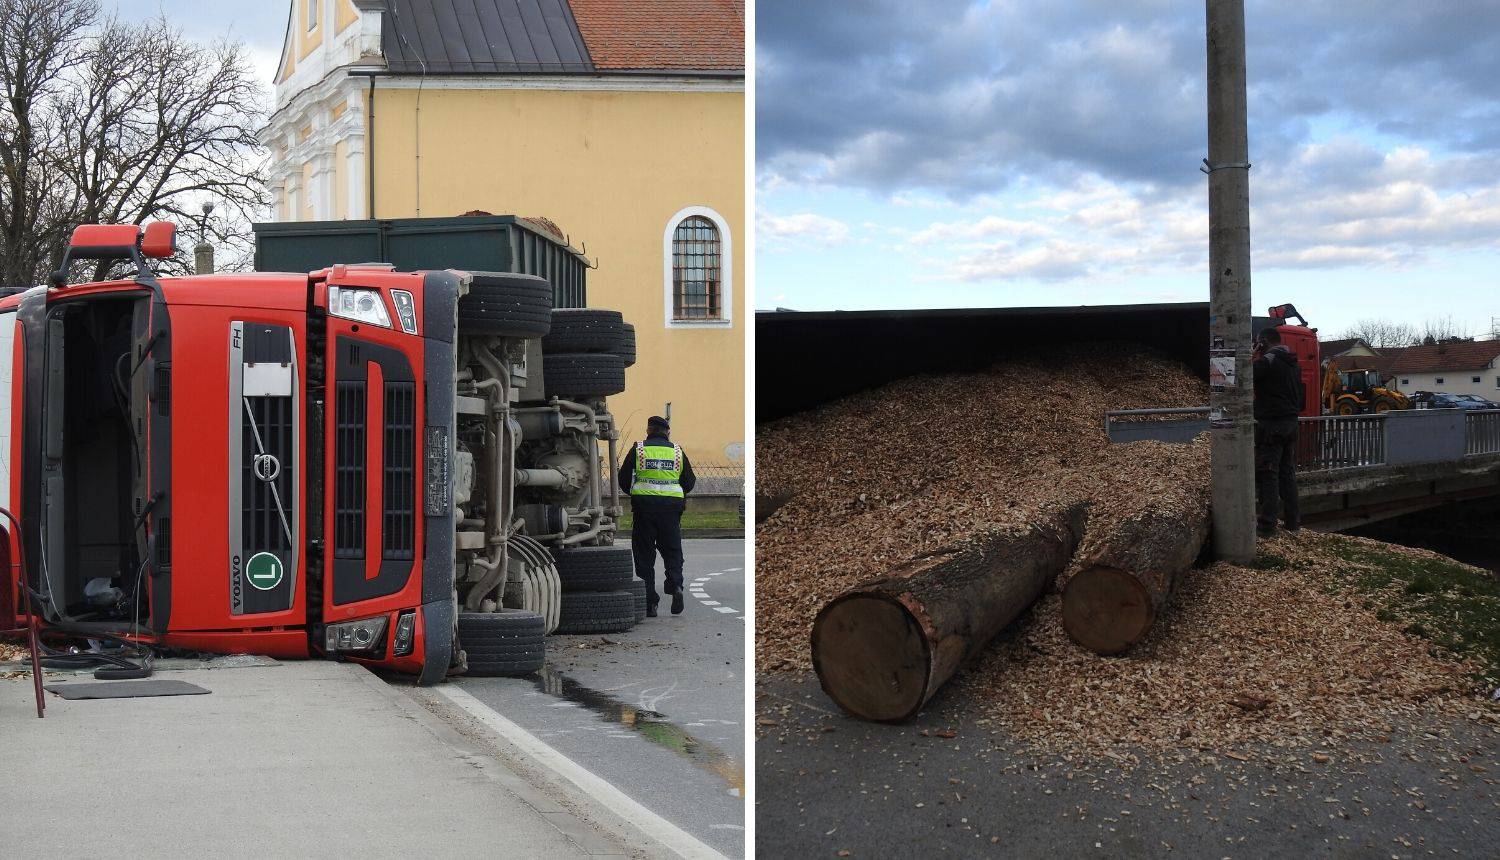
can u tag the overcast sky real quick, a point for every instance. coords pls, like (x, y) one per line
(259, 24)
(940, 153)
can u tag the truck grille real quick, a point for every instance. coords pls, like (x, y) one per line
(398, 534)
(262, 515)
(349, 471)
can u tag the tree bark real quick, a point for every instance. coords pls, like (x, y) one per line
(1122, 586)
(883, 649)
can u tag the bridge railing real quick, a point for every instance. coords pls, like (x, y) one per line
(1340, 442)
(1482, 432)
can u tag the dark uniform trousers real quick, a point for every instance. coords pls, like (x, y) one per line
(653, 531)
(1276, 473)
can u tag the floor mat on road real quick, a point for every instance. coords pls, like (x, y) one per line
(126, 689)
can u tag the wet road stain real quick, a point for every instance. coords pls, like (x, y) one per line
(650, 725)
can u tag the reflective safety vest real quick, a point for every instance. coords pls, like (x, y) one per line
(658, 469)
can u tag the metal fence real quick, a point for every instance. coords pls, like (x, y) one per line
(1482, 432)
(1340, 442)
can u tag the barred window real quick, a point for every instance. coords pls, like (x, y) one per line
(696, 270)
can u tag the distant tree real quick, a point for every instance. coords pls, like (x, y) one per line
(104, 121)
(1383, 334)
(1444, 329)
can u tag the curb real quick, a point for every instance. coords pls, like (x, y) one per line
(701, 534)
(653, 827)
(574, 828)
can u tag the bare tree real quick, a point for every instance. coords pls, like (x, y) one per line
(141, 124)
(1444, 328)
(1383, 334)
(41, 41)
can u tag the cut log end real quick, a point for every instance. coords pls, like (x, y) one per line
(1106, 610)
(872, 657)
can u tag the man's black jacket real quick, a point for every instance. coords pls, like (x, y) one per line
(658, 503)
(1278, 385)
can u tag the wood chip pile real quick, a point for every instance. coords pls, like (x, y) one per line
(1275, 658)
(1278, 657)
(880, 477)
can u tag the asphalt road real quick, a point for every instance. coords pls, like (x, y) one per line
(827, 784)
(658, 711)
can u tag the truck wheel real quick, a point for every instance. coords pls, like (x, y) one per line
(625, 347)
(594, 568)
(597, 612)
(583, 330)
(638, 591)
(582, 374)
(506, 642)
(505, 304)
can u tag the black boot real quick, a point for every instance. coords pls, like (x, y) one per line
(651, 610)
(677, 602)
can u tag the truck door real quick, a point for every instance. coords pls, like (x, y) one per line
(373, 535)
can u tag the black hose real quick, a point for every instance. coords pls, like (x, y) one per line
(116, 667)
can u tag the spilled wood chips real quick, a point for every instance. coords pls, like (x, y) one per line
(1275, 657)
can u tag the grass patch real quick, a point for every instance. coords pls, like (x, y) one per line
(699, 520)
(1450, 604)
(1270, 561)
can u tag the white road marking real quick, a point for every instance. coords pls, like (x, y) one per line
(725, 609)
(667, 834)
(710, 603)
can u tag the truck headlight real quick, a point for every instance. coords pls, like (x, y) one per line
(366, 306)
(406, 310)
(406, 629)
(365, 634)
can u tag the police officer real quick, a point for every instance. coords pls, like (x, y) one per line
(658, 477)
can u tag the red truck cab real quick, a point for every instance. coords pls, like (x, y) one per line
(252, 463)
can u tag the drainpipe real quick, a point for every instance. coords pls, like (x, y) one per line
(370, 152)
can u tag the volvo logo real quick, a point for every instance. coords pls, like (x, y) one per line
(266, 467)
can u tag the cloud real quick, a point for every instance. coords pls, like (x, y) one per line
(1385, 210)
(804, 229)
(963, 99)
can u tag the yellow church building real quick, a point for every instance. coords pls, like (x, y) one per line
(620, 121)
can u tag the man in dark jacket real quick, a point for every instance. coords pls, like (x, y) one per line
(658, 477)
(1278, 402)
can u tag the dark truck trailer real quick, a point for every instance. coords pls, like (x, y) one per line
(397, 467)
(473, 243)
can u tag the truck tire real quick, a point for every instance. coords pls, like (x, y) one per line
(594, 568)
(597, 612)
(638, 591)
(625, 348)
(505, 304)
(583, 330)
(582, 374)
(502, 643)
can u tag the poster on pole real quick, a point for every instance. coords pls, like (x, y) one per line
(1221, 370)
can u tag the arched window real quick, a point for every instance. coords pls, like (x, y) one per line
(698, 267)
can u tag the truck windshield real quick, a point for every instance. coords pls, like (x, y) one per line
(7, 365)
(92, 468)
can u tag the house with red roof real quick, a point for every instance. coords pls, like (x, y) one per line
(1453, 367)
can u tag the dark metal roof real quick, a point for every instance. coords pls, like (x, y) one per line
(480, 37)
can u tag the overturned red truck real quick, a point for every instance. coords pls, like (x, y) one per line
(401, 468)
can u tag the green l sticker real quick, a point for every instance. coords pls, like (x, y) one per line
(264, 571)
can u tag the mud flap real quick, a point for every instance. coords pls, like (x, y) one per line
(438, 620)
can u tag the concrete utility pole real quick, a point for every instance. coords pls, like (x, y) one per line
(1228, 167)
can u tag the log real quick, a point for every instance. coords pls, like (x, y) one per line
(1123, 583)
(883, 649)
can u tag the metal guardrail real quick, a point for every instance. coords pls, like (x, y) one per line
(1482, 432)
(1340, 442)
(1332, 442)
(1158, 425)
